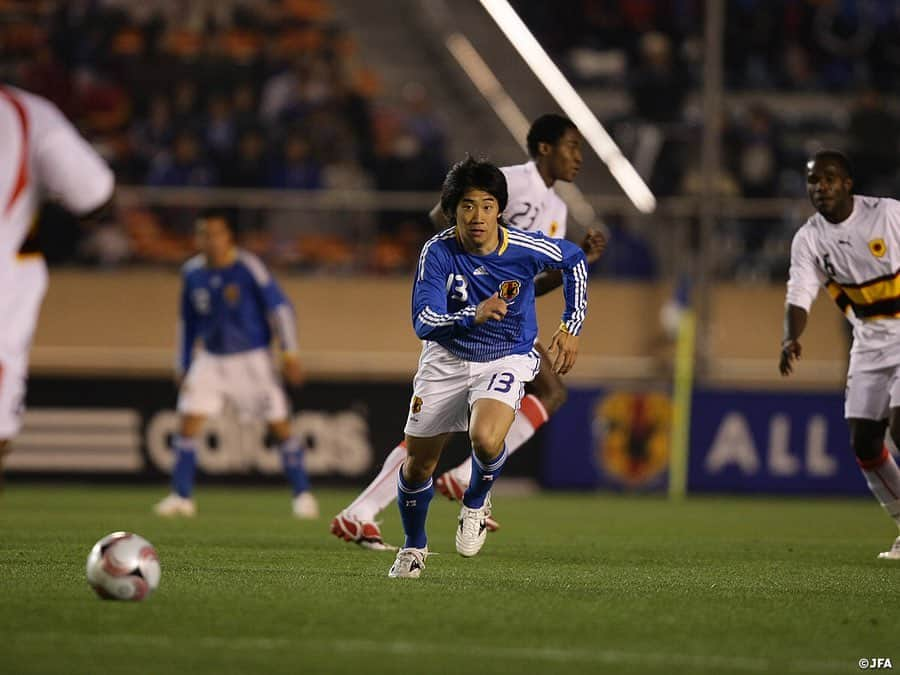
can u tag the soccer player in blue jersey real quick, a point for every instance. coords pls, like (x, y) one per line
(554, 144)
(231, 304)
(473, 308)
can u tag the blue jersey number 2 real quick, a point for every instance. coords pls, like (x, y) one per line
(503, 384)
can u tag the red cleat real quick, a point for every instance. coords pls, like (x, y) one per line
(366, 533)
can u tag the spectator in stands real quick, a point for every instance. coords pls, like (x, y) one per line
(658, 88)
(153, 135)
(295, 169)
(657, 85)
(244, 107)
(219, 128)
(183, 166)
(186, 105)
(884, 56)
(843, 32)
(756, 150)
(248, 167)
(875, 141)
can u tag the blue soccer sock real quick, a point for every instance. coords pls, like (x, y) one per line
(413, 500)
(292, 461)
(482, 480)
(185, 465)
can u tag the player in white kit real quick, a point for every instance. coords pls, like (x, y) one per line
(554, 144)
(42, 157)
(852, 248)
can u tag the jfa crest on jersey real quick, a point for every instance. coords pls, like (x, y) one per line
(858, 262)
(532, 206)
(509, 290)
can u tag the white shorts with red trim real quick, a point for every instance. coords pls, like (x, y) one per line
(22, 288)
(445, 387)
(872, 393)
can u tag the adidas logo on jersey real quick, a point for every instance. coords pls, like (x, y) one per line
(480, 271)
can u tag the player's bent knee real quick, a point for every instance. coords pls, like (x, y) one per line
(4, 447)
(487, 443)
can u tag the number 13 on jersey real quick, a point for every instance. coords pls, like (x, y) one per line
(457, 287)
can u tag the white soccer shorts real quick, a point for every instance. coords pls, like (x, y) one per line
(872, 393)
(248, 380)
(22, 289)
(445, 388)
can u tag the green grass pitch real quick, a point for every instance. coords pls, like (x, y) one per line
(571, 584)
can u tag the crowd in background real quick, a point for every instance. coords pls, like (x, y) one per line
(797, 75)
(272, 94)
(230, 94)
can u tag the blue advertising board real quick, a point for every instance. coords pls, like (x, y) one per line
(741, 442)
(773, 442)
(608, 438)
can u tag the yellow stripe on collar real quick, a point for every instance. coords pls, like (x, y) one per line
(504, 240)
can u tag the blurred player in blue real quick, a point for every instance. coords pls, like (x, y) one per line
(473, 309)
(231, 304)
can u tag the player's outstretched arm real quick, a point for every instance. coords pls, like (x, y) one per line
(794, 325)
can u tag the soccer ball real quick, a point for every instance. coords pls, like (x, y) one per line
(123, 566)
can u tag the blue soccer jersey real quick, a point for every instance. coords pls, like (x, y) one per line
(232, 309)
(450, 283)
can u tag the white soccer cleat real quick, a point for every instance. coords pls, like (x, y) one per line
(409, 563)
(472, 529)
(176, 505)
(449, 485)
(305, 506)
(893, 554)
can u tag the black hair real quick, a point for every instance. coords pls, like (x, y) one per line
(547, 129)
(470, 174)
(216, 213)
(837, 157)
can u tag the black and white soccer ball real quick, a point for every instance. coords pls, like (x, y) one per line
(123, 566)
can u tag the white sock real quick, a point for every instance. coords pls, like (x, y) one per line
(382, 491)
(530, 417)
(883, 478)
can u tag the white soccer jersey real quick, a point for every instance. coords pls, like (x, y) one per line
(858, 262)
(532, 205)
(41, 156)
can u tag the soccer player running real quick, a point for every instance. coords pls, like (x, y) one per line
(43, 156)
(555, 147)
(473, 308)
(852, 247)
(230, 302)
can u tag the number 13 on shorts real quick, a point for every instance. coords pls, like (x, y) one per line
(501, 382)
